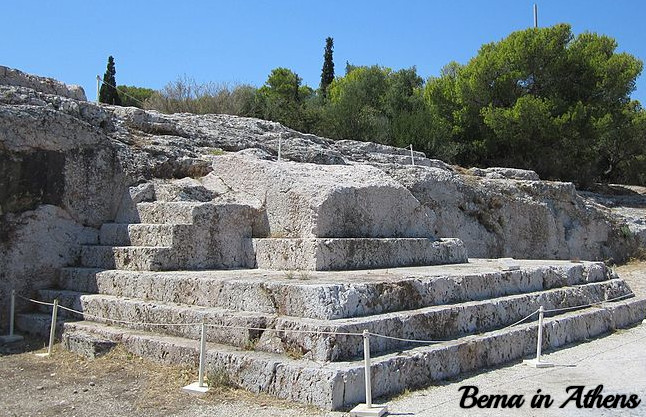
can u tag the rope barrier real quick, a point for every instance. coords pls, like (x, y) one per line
(200, 386)
(430, 342)
(521, 320)
(134, 323)
(34, 301)
(299, 331)
(555, 310)
(264, 329)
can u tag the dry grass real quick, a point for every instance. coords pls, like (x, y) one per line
(137, 384)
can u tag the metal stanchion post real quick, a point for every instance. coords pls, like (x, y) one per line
(539, 342)
(366, 359)
(412, 158)
(367, 409)
(199, 387)
(52, 330)
(98, 88)
(12, 318)
(200, 378)
(537, 363)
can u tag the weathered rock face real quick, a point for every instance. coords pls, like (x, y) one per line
(13, 77)
(34, 245)
(521, 218)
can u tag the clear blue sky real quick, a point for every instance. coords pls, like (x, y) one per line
(242, 41)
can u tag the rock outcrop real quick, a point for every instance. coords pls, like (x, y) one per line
(66, 165)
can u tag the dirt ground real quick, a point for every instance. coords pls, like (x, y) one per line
(120, 384)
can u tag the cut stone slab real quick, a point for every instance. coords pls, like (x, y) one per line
(87, 344)
(11, 338)
(308, 200)
(180, 212)
(329, 341)
(356, 253)
(147, 258)
(225, 326)
(123, 234)
(38, 324)
(66, 298)
(80, 279)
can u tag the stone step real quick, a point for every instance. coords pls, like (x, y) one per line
(331, 295)
(432, 323)
(66, 298)
(177, 319)
(38, 324)
(325, 340)
(87, 344)
(180, 212)
(147, 258)
(80, 279)
(336, 385)
(139, 234)
(333, 254)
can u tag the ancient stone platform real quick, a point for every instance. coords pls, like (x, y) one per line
(289, 333)
(150, 224)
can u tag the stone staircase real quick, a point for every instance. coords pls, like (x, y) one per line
(285, 314)
(467, 307)
(151, 244)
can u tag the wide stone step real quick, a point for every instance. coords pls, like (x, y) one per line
(340, 384)
(431, 323)
(124, 234)
(336, 294)
(147, 258)
(327, 340)
(226, 326)
(180, 212)
(329, 254)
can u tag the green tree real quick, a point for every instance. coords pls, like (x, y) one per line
(282, 99)
(132, 96)
(108, 93)
(327, 73)
(542, 99)
(355, 110)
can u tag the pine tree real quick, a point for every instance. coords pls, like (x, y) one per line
(108, 93)
(327, 74)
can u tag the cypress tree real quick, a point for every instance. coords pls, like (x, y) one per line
(327, 74)
(108, 93)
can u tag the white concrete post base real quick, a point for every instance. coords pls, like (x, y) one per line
(534, 363)
(195, 388)
(362, 410)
